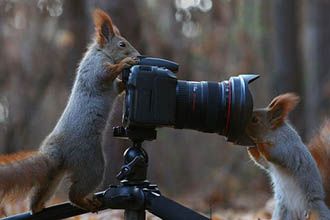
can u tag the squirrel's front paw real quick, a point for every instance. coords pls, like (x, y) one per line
(89, 203)
(128, 61)
(113, 70)
(254, 153)
(257, 157)
(264, 149)
(119, 85)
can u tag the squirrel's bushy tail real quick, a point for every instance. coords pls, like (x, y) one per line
(320, 149)
(19, 172)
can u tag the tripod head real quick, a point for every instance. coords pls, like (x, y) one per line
(134, 170)
(135, 134)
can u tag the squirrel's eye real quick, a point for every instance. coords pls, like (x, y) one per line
(254, 119)
(122, 44)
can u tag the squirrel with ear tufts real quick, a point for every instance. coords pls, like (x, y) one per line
(73, 148)
(297, 182)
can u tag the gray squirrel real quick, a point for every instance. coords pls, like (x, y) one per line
(73, 148)
(297, 183)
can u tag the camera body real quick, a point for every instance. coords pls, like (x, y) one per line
(150, 97)
(156, 98)
(150, 93)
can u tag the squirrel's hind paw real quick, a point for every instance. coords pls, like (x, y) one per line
(3, 212)
(37, 208)
(89, 203)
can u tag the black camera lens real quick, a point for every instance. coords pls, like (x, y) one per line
(216, 107)
(156, 98)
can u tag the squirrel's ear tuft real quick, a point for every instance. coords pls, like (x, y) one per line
(116, 30)
(280, 107)
(103, 27)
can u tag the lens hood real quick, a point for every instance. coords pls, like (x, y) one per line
(239, 110)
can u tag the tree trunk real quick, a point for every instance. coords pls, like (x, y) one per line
(287, 75)
(316, 60)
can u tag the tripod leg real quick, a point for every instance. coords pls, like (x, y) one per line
(135, 215)
(167, 209)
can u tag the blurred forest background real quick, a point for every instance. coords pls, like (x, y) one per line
(286, 42)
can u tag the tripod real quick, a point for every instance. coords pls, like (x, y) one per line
(135, 194)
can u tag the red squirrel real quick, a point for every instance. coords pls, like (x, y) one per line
(296, 179)
(73, 148)
(319, 146)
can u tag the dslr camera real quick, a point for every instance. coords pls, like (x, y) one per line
(156, 98)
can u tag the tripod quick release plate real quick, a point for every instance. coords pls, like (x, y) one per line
(136, 134)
